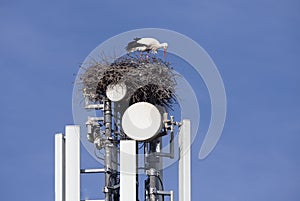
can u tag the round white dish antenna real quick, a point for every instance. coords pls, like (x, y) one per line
(142, 121)
(116, 92)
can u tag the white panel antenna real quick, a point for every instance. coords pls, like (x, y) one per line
(128, 170)
(67, 165)
(184, 169)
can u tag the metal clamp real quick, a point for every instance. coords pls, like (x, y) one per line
(152, 172)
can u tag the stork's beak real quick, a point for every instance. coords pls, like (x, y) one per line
(165, 52)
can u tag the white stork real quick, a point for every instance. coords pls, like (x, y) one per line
(146, 45)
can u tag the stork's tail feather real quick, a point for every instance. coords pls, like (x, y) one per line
(134, 46)
(130, 45)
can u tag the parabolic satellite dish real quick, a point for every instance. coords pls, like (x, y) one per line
(142, 121)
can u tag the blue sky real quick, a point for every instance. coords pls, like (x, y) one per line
(255, 45)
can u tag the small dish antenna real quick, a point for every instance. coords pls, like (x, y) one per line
(142, 121)
(116, 92)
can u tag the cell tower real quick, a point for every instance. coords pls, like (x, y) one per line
(130, 97)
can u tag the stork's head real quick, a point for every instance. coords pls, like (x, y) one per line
(165, 46)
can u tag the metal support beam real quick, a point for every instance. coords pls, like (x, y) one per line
(185, 161)
(168, 193)
(92, 200)
(87, 171)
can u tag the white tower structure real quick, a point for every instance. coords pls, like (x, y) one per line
(118, 130)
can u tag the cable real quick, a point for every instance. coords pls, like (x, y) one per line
(141, 146)
(99, 157)
(160, 181)
(162, 186)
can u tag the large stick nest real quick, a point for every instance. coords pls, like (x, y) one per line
(147, 80)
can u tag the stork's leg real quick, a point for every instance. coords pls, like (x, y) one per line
(141, 55)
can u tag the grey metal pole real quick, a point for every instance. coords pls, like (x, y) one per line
(159, 167)
(155, 166)
(108, 147)
(152, 184)
(137, 172)
(107, 117)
